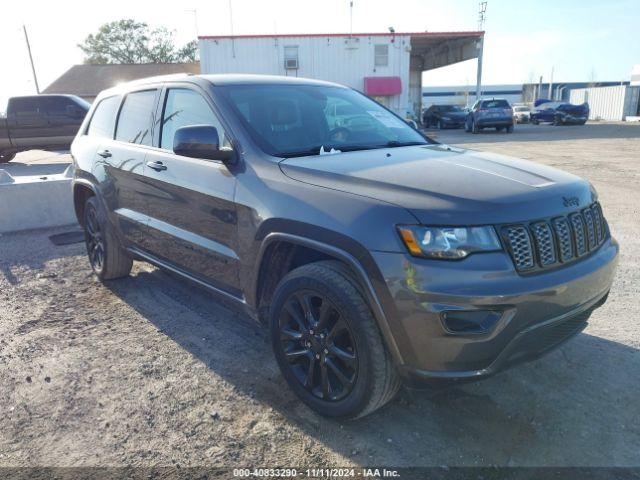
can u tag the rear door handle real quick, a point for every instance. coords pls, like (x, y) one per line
(105, 153)
(158, 166)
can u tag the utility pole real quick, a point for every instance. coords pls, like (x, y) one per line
(551, 85)
(482, 11)
(33, 68)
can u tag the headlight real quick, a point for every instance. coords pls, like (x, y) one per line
(451, 243)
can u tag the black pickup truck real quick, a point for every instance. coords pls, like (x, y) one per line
(40, 121)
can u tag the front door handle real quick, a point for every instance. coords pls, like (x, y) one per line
(105, 153)
(158, 166)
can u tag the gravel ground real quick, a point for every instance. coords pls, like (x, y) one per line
(151, 371)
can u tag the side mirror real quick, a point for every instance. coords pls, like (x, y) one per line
(201, 141)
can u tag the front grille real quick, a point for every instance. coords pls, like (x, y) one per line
(552, 242)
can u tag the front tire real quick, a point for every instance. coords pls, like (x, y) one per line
(510, 128)
(474, 127)
(108, 259)
(327, 344)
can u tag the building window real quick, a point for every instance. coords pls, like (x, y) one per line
(291, 57)
(382, 55)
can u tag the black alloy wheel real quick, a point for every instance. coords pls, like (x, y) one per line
(318, 345)
(94, 239)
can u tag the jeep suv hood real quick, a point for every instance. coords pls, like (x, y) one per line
(443, 185)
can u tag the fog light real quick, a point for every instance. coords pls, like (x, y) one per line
(470, 321)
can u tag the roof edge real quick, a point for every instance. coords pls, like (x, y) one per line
(377, 34)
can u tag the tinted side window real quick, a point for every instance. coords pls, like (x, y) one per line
(57, 105)
(185, 107)
(24, 106)
(104, 118)
(134, 121)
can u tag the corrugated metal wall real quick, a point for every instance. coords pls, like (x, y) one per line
(608, 103)
(345, 60)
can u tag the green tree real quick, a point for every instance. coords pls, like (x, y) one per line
(128, 41)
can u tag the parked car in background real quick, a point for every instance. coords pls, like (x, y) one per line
(521, 113)
(444, 116)
(490, 113)
(375, 255)
(560, 113)
(45, 122)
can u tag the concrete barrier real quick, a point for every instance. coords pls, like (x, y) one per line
(28, 202)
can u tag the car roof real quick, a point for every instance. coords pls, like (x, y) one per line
(218, 79)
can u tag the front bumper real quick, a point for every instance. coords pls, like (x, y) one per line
(536, 312)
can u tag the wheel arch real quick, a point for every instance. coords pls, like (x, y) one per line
(273, 252)
(82, 190)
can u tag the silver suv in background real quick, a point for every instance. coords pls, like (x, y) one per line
(490, 113)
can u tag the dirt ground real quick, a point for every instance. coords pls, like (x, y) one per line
(151, 371)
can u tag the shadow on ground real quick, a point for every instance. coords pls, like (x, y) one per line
(577, 406)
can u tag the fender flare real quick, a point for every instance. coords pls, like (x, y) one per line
(358, 270)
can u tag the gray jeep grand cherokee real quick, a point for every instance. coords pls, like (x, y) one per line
(376, 255)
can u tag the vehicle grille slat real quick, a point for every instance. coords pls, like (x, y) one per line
(549, 243)
(563, 234)
(544, 243)
(520, 244)
(591, 228)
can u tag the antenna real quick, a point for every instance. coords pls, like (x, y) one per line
(482, 15)
(351, 18)
(33, 68)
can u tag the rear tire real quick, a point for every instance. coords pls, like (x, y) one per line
(108, 259)
(510, 129)
(328, 345)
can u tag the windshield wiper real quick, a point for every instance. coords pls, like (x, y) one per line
(396, 143)
(316, 150)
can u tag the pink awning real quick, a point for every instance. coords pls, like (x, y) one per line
(382, 86)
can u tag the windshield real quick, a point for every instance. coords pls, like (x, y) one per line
(298, 120)
(450, 108)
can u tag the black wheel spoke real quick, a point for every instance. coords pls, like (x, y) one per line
(291, 334)
(308, 381)
(295, 314)
(326, 386)
(324, 315)
(305, 303)
(340, 375)
(347, 358)
(338, 327)
(297, 353)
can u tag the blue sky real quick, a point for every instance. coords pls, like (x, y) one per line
(582, 40)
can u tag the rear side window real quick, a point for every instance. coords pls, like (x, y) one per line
(185, 107)
(495, 104)
(134, 121)
(104, 118)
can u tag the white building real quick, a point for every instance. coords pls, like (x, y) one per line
(386, 66)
